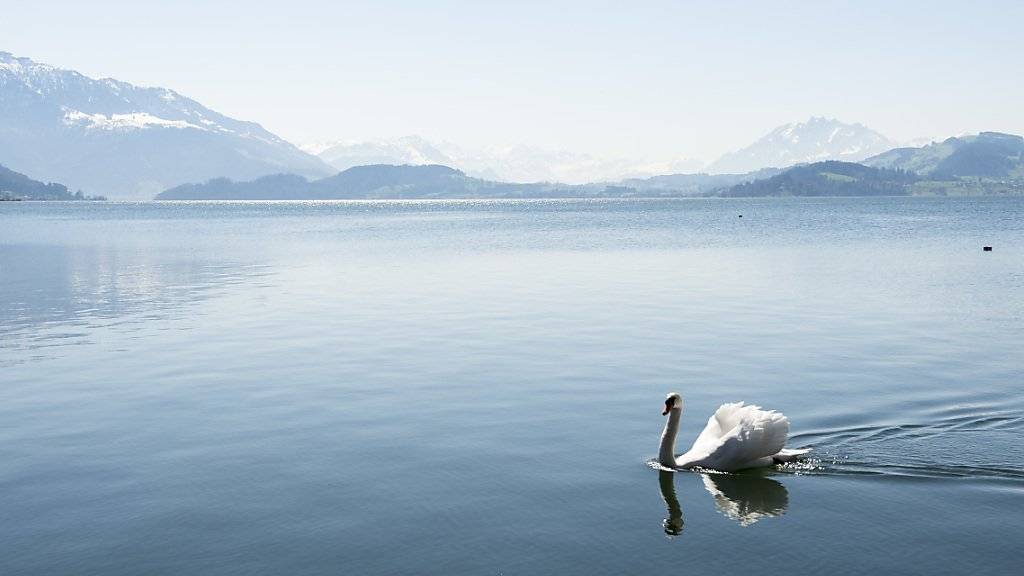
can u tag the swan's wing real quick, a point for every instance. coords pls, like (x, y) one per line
(790, 455)
(757, 434)
(723, 420)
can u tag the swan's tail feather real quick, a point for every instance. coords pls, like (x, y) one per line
(790, 454)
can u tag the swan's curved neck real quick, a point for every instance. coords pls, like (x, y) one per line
(666, 454)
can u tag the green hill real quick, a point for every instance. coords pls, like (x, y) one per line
(985, 164)
(831, 178)
(990, 155)
(380, 181)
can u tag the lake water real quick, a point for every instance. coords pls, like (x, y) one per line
(463, 387)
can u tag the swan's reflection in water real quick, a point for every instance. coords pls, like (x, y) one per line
(673, 525)
(744, 497)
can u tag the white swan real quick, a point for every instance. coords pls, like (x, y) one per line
(736, 437)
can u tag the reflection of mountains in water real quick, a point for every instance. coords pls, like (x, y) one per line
(54, 296)
(745, 497)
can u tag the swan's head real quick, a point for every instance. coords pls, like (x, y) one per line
(673, 402)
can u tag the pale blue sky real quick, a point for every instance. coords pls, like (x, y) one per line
(690, 79)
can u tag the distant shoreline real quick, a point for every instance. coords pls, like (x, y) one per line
(497, 200)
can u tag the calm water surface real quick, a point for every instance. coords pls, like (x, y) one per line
(475, 387)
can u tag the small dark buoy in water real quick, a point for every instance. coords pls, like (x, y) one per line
(741, 215)
(987, 248)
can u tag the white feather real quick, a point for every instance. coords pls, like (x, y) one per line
(736, 437)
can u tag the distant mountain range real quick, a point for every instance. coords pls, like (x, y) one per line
(507, 164)
(986, 155)
(989, 163)
(17, 186)
(411, 150)
(127, 142)
(112, 138)
(374, 181)
(829, 178)
(435, 181)
(693, 184)
(816, 140)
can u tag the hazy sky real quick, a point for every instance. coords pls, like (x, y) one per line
(689, 79)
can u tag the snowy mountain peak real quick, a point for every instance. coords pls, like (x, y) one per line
(108, 103)
(117, 139)
(815, 140)
(20, 64)
(518, 163)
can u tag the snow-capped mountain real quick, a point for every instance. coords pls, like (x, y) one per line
(123, 141)
(413, 150)
(816, 140)
(508, 164)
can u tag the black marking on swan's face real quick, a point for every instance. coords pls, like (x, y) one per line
(673, 400)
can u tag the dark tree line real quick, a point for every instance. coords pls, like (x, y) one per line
(16, 186)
